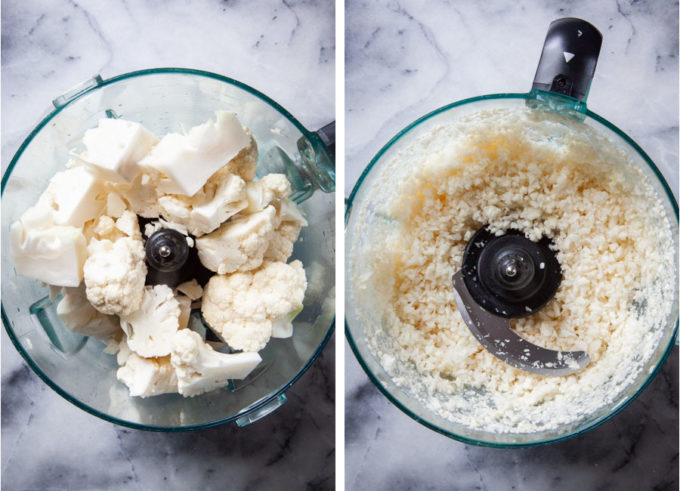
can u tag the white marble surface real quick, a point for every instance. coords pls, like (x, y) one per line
(285, 49)
(406, 58)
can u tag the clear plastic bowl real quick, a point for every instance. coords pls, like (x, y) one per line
(166, 100)
(359, 217)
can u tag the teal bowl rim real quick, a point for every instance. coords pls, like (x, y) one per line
(353, 345)
(5, 318)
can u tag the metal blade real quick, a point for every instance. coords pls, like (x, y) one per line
(495, 335)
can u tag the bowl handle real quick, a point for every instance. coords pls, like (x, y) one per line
(569, 58)
(261, 412)
(77, 90)
(317, 150)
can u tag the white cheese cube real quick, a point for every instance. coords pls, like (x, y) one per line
(187, 161)
(75, 195)
(115, 147)
(53, 255)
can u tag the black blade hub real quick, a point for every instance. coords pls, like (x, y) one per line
(510, 275)
(169, 258)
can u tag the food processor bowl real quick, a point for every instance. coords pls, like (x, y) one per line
(367, 326)
(169, 100)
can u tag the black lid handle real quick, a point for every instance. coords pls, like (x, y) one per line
(569, 58)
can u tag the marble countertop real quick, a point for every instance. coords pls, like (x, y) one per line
(285, 49)
(405, 59)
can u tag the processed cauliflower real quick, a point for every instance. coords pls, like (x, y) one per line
(199, 368)
(242, 307)
(239, 244)
(150, 328)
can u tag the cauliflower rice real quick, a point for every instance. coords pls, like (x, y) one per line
(545, 175)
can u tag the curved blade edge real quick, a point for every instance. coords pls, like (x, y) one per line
(495, 335)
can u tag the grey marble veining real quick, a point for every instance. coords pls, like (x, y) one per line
(407, 58)
(285, 49)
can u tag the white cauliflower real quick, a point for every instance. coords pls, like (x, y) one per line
(268, 189)
(80, 317)
(146, 377)
(150, 328)
(291, 222)
(219, 199)
(199, 368)
(239, 244)
(114, 274)
(242, 307)
(245, 162)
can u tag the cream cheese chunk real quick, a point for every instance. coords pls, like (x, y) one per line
(187, 161)
(75, 195)
(53, 255)
(115, 147)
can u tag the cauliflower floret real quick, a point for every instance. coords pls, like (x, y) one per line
(265, 191)
(219, 199)
(245, 162)
(200, 368)
(239, 244)
(148, 376)
(80, 317)
(281, 245)
(114, 274)
(242, 307)
(291, 222)
(150, 328)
